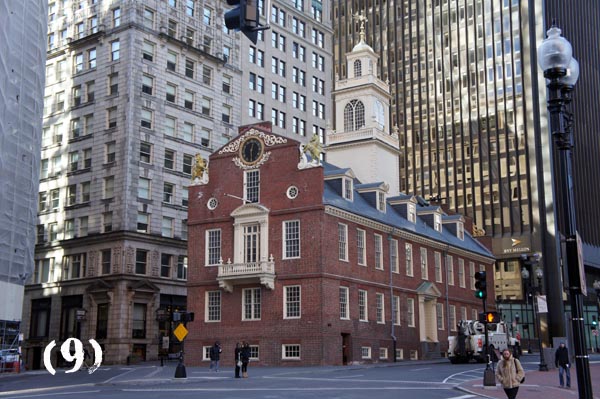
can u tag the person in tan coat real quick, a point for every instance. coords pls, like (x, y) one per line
(510, 374)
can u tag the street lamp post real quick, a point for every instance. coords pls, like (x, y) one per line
(527, 285)
(555, 58)
(539, 273)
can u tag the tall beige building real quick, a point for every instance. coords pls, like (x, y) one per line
(287, 76)
(469, 101)
(134, 90)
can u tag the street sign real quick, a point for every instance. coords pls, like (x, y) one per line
(582, 282)
(180, 332)
(542, 304)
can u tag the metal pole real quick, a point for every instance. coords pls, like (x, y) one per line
(528, 321)
(394, 311)
(542, 365)
(563, 187)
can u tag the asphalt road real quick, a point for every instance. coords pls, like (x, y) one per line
(406, 380)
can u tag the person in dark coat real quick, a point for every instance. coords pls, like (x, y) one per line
(238, 359)
(245, 356)
(561, 361)
(215, 356)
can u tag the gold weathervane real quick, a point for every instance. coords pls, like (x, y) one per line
(362, 19)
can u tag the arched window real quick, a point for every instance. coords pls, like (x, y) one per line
(354, 116)
(357, 68)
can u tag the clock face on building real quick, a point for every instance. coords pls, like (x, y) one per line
(251, 150)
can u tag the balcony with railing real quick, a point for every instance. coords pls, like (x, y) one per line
(231, 274)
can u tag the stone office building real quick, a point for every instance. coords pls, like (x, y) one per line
(134, 90)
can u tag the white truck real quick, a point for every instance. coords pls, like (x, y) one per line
(470, 342)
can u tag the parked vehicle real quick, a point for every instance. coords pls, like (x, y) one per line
(469, 344)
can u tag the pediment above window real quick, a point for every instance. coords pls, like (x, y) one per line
(428, 289)
(250, 210)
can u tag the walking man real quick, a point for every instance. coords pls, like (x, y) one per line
(561, 361)
(215, 356)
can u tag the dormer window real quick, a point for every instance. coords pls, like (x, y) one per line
(354, 116)
(412, 213)
(460, 230)
(252, 185)
(357, 68)
(437, 222)
(381, 202)
(347, 189)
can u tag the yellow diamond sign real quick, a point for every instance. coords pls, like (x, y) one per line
(180, 332)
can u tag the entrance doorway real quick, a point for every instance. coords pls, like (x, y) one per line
(346, 349)
(36, 362)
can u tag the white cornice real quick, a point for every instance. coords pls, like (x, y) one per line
(406, 235)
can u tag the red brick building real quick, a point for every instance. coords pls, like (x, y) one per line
(312, 266)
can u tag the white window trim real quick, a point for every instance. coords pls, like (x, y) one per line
(411, 213)
(381, 267)
(450, 269)
(347, 184)
(206, 295)
(396, 266)
(438, 277)
(250, 214)
(244, 304)
(283, 242)
(345, 226)
(424, 264)
(368, 349)
(206, 248)
(410, 304)
(383, 353)
(440, 314)
(398, 320)
(382, 296)
(283, 355)
(381, 204)
(366, 319)
(437, 222)
(462, 283)
(285, 316)
(410, 270)
(452, 317)
(206, 353)
(246, 172)
(347, 296)
(360, 233)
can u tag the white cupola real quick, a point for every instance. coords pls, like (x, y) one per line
(361, 138)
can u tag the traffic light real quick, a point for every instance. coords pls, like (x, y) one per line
(244, 18)
(594, 323)
(489, 317)
(480, 285)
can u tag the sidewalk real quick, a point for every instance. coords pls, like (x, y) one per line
(538, 384)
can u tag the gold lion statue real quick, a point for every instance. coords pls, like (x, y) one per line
(200, 166)
(314, 148)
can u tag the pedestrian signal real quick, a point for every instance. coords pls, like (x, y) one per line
(489, 317)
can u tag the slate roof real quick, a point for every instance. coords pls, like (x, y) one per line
(361, 207)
